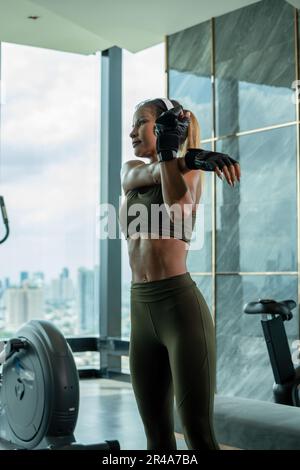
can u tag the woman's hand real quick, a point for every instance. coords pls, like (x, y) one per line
(199, 159)
(232, 173)
(173, 121)
(171, 130)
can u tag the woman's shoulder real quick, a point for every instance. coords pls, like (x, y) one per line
(132, 163)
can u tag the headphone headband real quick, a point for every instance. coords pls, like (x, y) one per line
(168, 103)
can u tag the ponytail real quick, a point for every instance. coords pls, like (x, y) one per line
(192, 141)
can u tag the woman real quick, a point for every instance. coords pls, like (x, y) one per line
(172, 343)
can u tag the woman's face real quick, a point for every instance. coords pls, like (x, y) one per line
(143, 133)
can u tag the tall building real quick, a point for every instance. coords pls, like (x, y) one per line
(66, 289)
(24, 276)
(55, 291)
(23, 304)
(64, 273)
(38, 279)
(62, 289)
(86, 299)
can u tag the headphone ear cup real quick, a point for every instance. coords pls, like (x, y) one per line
(177, 110)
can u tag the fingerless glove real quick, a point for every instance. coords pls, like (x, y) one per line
(206, 160)
(170, 132)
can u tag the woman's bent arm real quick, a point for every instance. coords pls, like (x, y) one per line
(135, 174)
(175, 190)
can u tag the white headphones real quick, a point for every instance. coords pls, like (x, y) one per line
(168, 103)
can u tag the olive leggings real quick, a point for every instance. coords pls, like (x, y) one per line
(172, 351)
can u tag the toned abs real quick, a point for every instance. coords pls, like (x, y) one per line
(154, 259)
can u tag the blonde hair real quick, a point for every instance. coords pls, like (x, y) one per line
(192, 140)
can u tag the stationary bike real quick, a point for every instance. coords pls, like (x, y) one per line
(39, 391)
(286, 389)
(39, 388)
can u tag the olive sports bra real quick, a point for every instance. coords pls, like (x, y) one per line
(144, 211)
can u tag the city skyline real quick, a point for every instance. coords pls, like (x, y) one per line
(32, 297)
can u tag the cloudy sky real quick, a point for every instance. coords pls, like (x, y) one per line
(49, 162)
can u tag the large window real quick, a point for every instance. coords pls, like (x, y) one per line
(241, 87)
(50, 180)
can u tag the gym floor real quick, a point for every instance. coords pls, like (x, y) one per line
(108, 411)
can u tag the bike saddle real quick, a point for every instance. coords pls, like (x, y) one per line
(269, 306)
